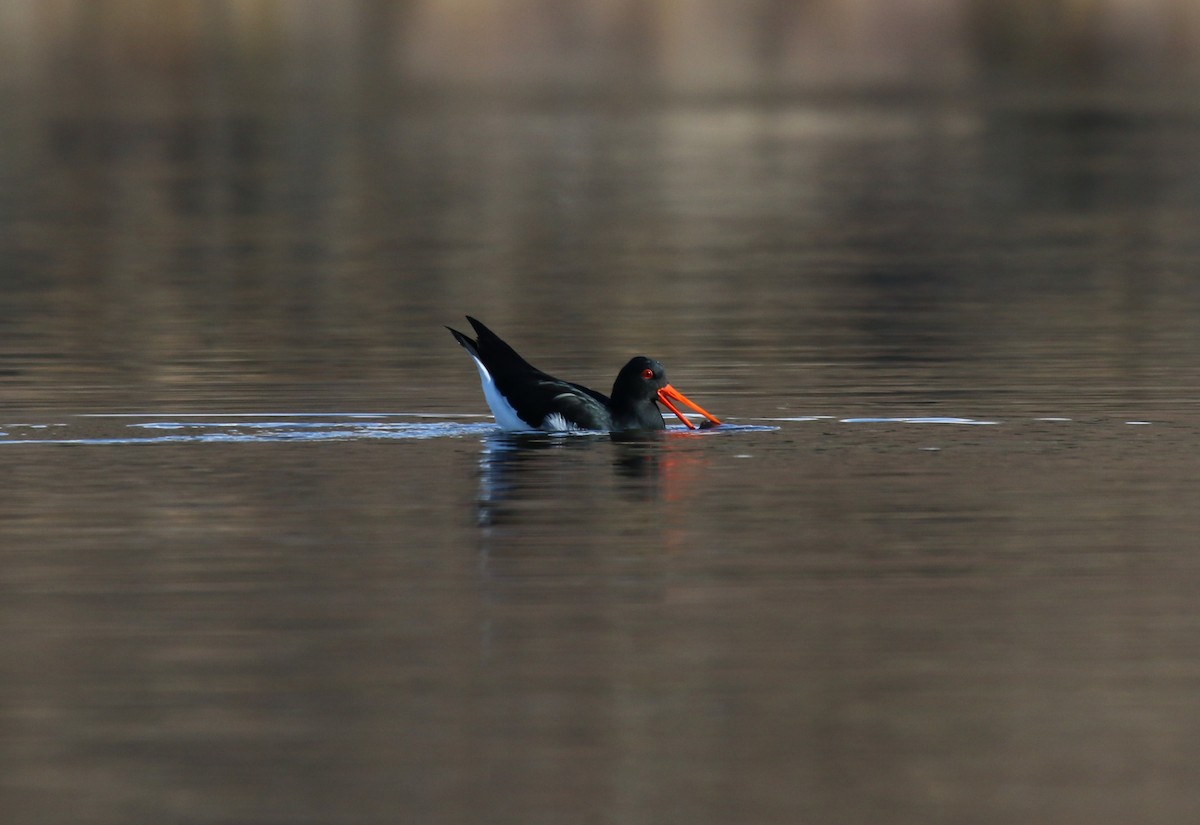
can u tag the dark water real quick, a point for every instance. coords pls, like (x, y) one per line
(265, 559)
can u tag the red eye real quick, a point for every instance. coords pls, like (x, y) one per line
(647, 374)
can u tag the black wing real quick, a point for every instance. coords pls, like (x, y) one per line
(579, 406)
(533, 394)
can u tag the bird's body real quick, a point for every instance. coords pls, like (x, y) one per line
(522, 397)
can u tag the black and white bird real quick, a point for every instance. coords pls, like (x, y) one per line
(523, 397)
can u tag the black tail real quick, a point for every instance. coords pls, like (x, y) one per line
(469, 344)
(490, 349)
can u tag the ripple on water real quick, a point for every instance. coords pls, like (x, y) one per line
(114, 429)
(260, 431)
(921, 420)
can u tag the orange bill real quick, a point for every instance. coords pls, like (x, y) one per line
(668, 394)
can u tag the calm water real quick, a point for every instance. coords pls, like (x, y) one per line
(265, 559)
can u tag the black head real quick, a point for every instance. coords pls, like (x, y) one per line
(634, 395)
(640, 387)
(639, 380)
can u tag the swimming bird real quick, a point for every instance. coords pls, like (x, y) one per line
(522, 397)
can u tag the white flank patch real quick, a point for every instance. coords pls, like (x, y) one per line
(505, 415)
(557, 423)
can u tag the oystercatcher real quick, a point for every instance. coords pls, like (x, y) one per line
(523, 397)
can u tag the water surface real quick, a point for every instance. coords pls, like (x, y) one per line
(267, 559)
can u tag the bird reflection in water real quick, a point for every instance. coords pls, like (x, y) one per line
(518, 470)
(567, 520)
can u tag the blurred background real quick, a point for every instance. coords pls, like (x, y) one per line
(251, 194)
(254, 566)
(249, 52)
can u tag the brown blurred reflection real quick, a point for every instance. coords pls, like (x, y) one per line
(811, 211)
(254, 50)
